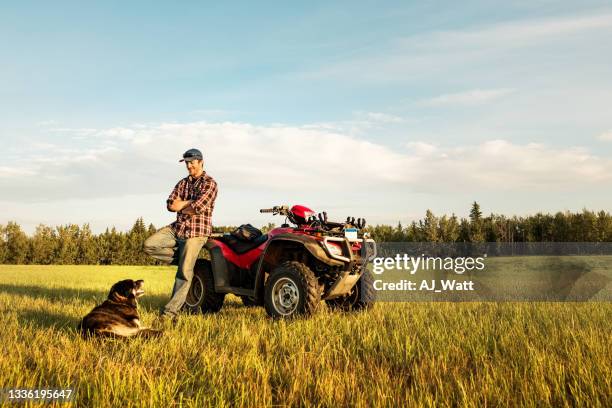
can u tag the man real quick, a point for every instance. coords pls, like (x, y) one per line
(193, 199)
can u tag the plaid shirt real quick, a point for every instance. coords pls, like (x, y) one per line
(202, 191)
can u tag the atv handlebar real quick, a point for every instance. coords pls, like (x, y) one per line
(277, 209)
(321, 222)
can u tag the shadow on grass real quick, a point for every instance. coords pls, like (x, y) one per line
(45, 320)
(64, 296)
(69, 295)
(90, 298)
(54, 294)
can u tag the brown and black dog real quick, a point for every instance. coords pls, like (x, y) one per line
(118, 315)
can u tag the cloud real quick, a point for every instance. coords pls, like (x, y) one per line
(15, 172)
(606, 136)
(292, 160)
(472, 97)
(421, 148)
(215, 114)
(500, 165)
(77, 131)
(361, 123)
(46, 123)
(384, 117)
(508, 34)
(470, 52)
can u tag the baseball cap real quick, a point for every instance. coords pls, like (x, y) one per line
(191, 154)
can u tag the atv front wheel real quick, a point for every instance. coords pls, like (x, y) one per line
(202, 295)
(361, 297)
(292, 289)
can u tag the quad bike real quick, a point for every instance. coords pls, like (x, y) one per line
(290, 269)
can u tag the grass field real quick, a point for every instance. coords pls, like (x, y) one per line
(398, 354)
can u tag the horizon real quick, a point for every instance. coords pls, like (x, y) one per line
(404, 224)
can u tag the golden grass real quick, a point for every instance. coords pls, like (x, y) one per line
(398, 354)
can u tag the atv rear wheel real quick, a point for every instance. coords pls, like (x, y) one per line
(361, 297)
(202, 295)
(291, 289)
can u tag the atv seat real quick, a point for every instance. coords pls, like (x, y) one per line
(240, 246)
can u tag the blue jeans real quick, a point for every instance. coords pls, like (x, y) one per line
(163, 245)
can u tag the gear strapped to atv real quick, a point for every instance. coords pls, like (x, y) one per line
(290, 269)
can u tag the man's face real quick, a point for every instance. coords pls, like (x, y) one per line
(194, 167)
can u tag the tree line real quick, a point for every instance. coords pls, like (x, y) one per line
(74, 244)
(584, 226)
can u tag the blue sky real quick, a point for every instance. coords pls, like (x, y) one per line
(422, 105)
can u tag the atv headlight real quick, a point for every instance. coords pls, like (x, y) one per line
(334, 248)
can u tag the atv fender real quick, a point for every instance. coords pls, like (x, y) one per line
(273, 253)
(219, 266)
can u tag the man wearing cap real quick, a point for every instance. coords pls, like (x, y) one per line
(193, 200)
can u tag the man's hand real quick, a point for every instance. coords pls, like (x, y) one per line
(178, 205)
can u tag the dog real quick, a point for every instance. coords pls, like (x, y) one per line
(118, 315)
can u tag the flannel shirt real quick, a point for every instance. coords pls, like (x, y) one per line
(203, 192)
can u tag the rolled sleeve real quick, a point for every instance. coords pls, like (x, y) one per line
(207, 196)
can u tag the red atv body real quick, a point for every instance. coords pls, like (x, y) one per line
(290, 269)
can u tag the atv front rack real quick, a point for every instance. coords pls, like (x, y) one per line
(322, 222)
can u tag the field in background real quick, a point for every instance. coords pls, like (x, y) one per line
(397, 354)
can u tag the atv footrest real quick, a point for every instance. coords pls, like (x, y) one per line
(236, 291)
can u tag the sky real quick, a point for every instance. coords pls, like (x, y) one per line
(368, 109)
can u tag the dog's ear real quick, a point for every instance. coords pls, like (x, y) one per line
(115, 296)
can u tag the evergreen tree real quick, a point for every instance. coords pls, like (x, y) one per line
(104, 248)
(588, 228)
(429, 227)
(475, 213)
(464, 230)
(135, 239)
(448, 228)
(116, 247)
(412, 233)
(476, 224)
(604, 226)
(151, 230)
(398, 234)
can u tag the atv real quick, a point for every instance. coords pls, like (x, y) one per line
(290, 269)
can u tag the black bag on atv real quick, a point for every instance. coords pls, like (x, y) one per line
(246, 232)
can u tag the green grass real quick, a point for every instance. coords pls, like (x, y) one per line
(398, 354)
